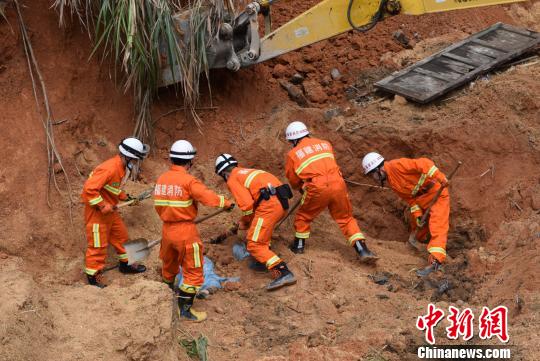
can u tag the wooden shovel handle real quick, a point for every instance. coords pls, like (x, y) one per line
(293, 208)
(211, 215)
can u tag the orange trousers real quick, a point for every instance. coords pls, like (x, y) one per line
(102, 229)
(259, 235)
(181, 246)
(334, 196)
(437, 224)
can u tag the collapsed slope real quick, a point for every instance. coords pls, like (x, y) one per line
(336, 311)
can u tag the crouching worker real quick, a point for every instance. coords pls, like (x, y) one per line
(263, 201)
(312, 169)
(104, 225)
(416, 181)
(175, 199)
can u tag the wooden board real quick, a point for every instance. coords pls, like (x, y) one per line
(460, 63)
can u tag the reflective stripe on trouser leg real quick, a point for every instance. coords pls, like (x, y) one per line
(95, 232)
(257, 230)
(312, 204)
(273, 262)
(118, 235)
(355, 237)
(340, 208)
(95, 259)
(189, 288)
(90, 272)
(438, 227)
(196, 255)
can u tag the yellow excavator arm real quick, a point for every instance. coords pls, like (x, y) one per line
(333, 17)
(239, 44)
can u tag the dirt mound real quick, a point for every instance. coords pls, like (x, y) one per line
(337, 310)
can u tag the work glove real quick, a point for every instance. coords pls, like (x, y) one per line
(105, 208)
(134, 199)
(229, 206)
(123, 196)
(443, 181)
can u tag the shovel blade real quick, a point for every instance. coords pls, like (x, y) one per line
(414, 243)
(137, 250)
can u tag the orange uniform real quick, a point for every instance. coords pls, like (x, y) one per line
(311, 165)
(102, 187)
(245, 185)
(416, 181)
(176, 195)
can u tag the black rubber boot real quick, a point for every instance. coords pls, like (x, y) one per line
(256, 266)
(298, 245)
(96, 280)
(433, 267)
(282, 277)
(366, 256)
(170, 284)
(185, 310)
(124, 267)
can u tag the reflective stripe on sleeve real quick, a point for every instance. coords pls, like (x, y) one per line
(176, 204)
(415, 208)
(250, 177)
(247, 213)
(311, 160)
(95, 201)
(115, 191)
(257, 229)
(95, 232)
(432, 171)
(221, 201)
(419, 184)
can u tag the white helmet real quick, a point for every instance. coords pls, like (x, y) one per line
(371, 161)
(182, 149)
(133, 148)
(224, 161)
(296, 130)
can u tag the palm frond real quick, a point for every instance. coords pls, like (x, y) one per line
(143, 35)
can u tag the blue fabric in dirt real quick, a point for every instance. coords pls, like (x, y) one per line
(211, 279)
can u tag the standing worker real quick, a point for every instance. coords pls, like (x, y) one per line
(263, 201)
(417, 181)
(311, 168)
(175, 198)
(100, 194)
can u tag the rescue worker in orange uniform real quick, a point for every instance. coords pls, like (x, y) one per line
(176, 196)
(263, 200)
(311, 168)
(417, 181)
(100, 194)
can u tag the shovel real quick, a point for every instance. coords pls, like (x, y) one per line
(412, 237)
(139, 249)
(141, 197)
